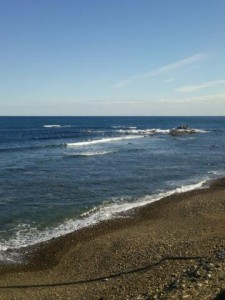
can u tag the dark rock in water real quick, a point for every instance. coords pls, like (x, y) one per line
(185, 127)
(175, 132)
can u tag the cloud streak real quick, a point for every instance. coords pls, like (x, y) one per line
(214, 98)
(201, 99)
(194, 88)
(169, 80)
(122, 83)
(164, 69)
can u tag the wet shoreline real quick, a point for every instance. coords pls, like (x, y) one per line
(188, 224)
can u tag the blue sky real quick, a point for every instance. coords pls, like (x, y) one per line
(111, 57)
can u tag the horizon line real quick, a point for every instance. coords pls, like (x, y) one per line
(106, 116)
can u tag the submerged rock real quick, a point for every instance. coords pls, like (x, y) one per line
(183, 129)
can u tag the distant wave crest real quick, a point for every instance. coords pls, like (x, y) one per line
(56, 126)
(153, 131)
(88, 154)
(34, 147)
(104, 140)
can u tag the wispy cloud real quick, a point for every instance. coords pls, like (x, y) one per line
(164, 69)
(119, 102)
(201, 99)
(174, 66)
(122, 83)
(194, 88)
(168, 80)
(213, 98)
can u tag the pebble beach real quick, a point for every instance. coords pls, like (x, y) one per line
(170, 249)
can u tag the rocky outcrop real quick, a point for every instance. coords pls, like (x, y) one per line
(183, 129)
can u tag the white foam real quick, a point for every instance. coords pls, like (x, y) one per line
(217, 173)
(123, 127)
(163, 131)
(151, 131)
(119, 126)
(26, 235)
(190, 130)
(52, 126)
(97, 153)
(3, 248)
(105, 140)
(56, 126)
(200, 130)
(137, 131)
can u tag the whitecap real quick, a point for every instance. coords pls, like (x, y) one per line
(87, 154)
(105, 140)
(52, 126)
(56, 126)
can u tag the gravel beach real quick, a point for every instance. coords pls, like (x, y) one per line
(170, 249)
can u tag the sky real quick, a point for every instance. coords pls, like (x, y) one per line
(112, 57)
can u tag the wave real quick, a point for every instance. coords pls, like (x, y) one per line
(104, 140)
(144, 131)
(92, 131)
(153, 131)
(123, 134)
(217, 173)
(56, 126)
(122, 127)
(136, 131)
(37, 147)
(189, 130)
(87, 154)
(26, 235)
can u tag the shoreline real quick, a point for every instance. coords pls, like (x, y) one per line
(175, 226)
(128, 212)
(123, 218)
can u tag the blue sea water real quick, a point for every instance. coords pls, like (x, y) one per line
(59, 174)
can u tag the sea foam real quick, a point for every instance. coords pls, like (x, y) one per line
(56, 126)
(26, 235)
(104, 140)
(87, 154)
(152, 131)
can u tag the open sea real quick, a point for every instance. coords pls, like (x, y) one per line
(59, 174)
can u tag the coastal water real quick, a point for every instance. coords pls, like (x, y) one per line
(59, 174)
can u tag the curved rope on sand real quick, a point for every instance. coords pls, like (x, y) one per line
(105, 278)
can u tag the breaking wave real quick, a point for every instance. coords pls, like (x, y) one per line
(153, 131)
(144, 131)
(88, 154)
(56, 126)
(26, 235)
(104, 140)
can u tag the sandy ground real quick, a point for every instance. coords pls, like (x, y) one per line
(171, 249)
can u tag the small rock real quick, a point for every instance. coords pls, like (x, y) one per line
(220, 254)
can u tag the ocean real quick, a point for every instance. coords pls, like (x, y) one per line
(59, 174)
